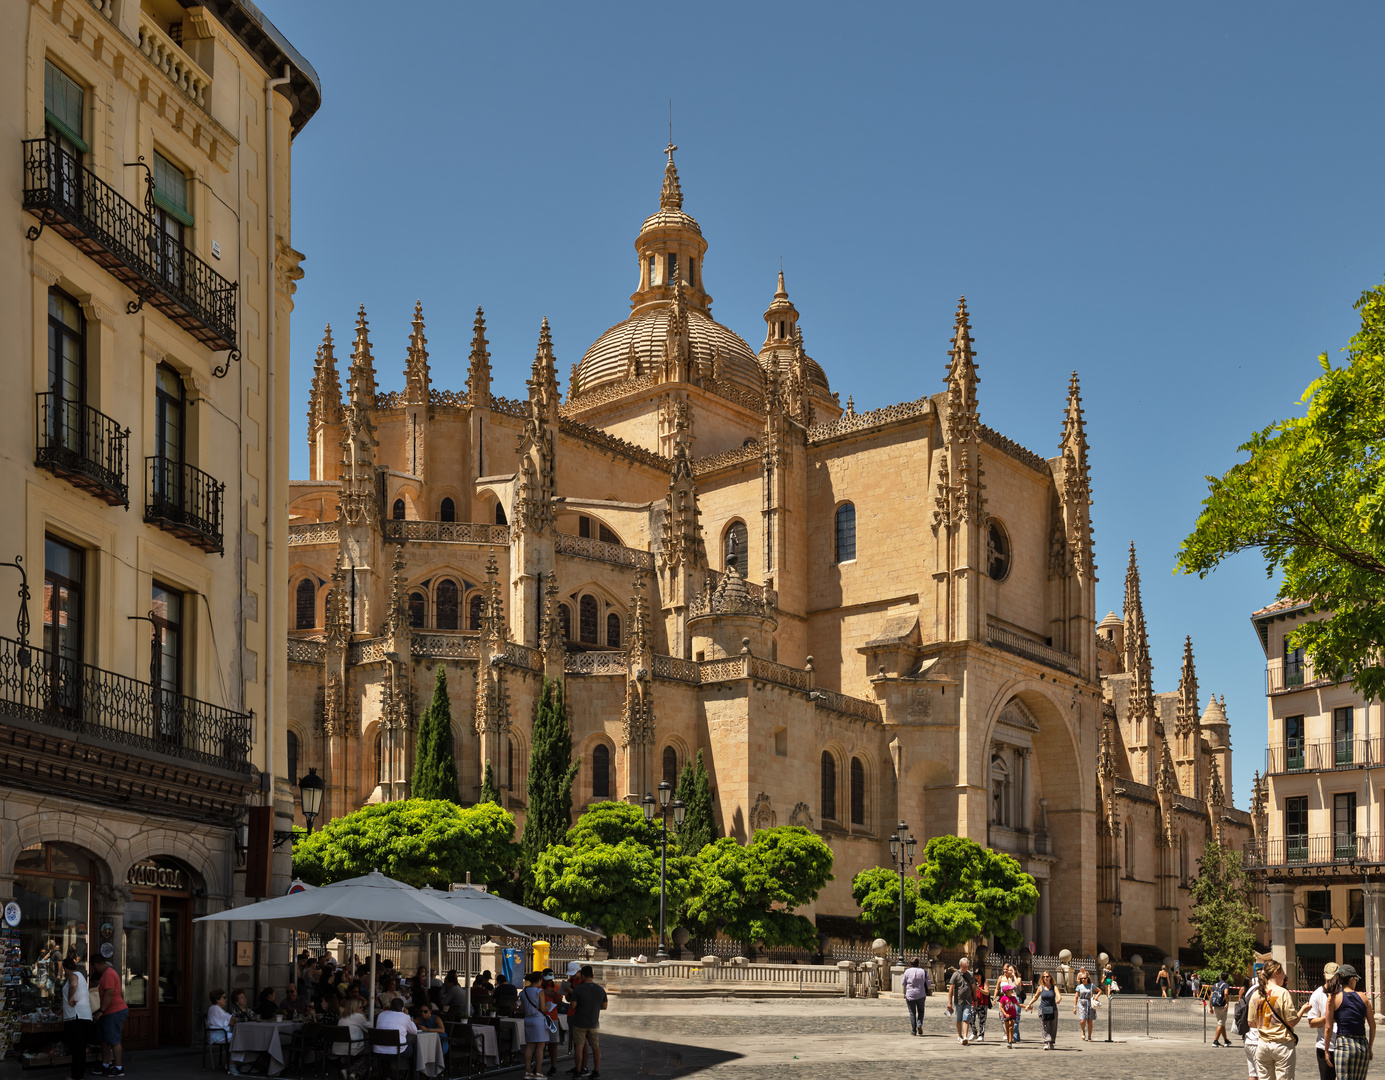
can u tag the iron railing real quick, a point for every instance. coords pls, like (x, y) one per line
(185, 501)
(1302, 850)
(118, 235)
(1282, 676)
(58, 692)
(1298, 755)
(85, 447)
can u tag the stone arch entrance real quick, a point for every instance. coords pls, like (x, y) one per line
(157, 952)
(55, 886)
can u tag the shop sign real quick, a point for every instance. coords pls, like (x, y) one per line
(151, 874)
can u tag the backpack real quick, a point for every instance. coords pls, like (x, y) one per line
(1219, 996)
(1242, 1016)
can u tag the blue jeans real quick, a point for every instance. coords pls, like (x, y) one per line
(916, 1012)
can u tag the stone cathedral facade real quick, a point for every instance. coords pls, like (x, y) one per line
(859, 618)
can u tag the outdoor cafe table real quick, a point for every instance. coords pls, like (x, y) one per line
(253, 1037)
(428, 1058)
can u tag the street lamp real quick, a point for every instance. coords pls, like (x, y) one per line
(311, 788)
(680, 811)
(902, 847)
(1327, 924)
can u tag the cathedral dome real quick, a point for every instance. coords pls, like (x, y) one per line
(642, 336)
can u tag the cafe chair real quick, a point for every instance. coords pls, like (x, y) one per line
(354, 1061)
(310, 1046)
(395, 1064)
(464, 1054)
(216, 1051)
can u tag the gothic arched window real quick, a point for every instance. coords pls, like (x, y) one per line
(671, 766)
(1130, 849)
(829, 786)
(858, 792)
(379, 759)
(601, 771)
(737, 548)
(445, 603)
(587, 619)
(613, 631)
(997, 551)
(447, 511)
(417, 610)
(500, 518)
(398, 511)
(475, 607)
(305, 605)
(846, 533)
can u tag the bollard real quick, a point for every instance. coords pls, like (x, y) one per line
(1109, 1010)
(1146, 1018)
(1204, 1023)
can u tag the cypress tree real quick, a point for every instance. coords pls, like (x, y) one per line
(489, 792)
(435, 768)
(700, 823)
(552, 770)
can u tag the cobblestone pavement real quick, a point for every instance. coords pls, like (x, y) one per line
(736, 1039)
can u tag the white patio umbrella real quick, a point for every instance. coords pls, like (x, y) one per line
(488, 905)
(371, 905)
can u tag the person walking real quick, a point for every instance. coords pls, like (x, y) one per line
(1013, 973)
(537, 1011)
(1216, 1003)
(76, 1017)
(1274, 1017)
(1245, 1027)
(1347, 1042)
(980, 1009)
(1084, 1006)
(1047, 997)
(1316, 1010)
(917, 986)
(1162, 980)
(960, 990)
(588, 1002)
(1006, 994)
(110, 1017)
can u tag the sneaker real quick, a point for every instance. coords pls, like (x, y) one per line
(594, 1075)
(553, 1070)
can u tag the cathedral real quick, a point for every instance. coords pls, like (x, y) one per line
(859, 618)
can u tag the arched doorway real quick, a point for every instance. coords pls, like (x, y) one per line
(53, 886)
(157, 954)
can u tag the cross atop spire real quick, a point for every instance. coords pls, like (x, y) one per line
(671, 197)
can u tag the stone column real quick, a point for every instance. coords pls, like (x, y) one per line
(1372, 894)
(1042, 937)
(1025, 797)
(1282, 928)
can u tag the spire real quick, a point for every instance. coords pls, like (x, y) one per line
(1143, 715)
(683, 544)
(671, 197)
(478, 372)
(324, 403)
(1167, 779)
(781, 293)
(543, 377)
(417, 379)
(1133, 612)
(1187, 716)
(397, 617)
(781, 320)
(362, 388)
(1076, 490)
(962, 416)
(537, 480)
(800, 405)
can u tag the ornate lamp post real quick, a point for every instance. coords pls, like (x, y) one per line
(311, 788)
(680, 811)
(902, 848)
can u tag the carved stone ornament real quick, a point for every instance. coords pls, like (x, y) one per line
(762, 816)
(801, 816)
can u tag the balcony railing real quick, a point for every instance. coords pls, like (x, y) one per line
(185, 501)
(447, 532)
(1331, 850)
(1004, 638)
(85, 447)
(124, 239)
(1323, 754)
(1282, 676)
(74, 697)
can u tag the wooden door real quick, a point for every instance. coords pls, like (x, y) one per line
(174, 974)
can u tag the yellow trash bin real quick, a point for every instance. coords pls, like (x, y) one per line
(541, 951)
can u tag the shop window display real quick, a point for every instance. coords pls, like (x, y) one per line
(52, 886)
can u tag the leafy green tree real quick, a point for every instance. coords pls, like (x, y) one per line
(552, 769)
(965, 891)
(1311, 500)
(876, 892)
(750, 892)
(435, 768)
(489, 792)
(1222, 913)
(699, 826)
(606, 872)
(417, 841)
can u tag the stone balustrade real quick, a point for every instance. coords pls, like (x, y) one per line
(584, 547)
(312, 532)
(166, 55)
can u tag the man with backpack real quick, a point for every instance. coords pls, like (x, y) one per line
(1217, 1003)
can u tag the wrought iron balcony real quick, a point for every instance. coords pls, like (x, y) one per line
(85, 447)
(1336, 849)
(60, 693)
(118, 235)
(1299, 755)
(185, 501)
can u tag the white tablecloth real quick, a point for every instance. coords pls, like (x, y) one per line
(254, 1037)
(428, 1058)
(490, 1045)
(517, 1025)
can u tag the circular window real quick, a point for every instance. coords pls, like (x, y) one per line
(997, 551)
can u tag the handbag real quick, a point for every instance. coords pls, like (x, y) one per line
(94, 1000)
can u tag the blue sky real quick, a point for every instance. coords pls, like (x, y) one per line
(1176, 200)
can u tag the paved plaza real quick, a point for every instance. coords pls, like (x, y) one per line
(740, 1039)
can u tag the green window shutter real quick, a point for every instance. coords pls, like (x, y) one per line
(171, 188)
(63, 103)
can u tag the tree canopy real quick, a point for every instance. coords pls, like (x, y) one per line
(417, 841)
(1311, 499)
(751, 891)
(961, 891)
(435, 768)
(552, 769)
(1222, 912)
(606, 872)
(699, 826)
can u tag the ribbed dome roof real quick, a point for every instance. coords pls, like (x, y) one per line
(608, 360)
(817, 378)
(669, 218)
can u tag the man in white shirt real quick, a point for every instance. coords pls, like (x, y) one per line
(1317, 1018)
(396, 1019)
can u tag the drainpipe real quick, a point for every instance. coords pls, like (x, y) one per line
(272, 249)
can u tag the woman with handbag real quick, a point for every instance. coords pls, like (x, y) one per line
(1351, 1014)
(980, 1008)
(538, 1024)
(76, 1000)
(1274, 1016)
(1084, 1008)
(1047, 997)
